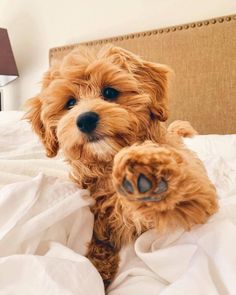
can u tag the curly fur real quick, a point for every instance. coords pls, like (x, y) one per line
(131, 141)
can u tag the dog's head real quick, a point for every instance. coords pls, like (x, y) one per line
(94, 104)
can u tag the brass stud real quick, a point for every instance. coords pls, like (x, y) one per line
(228, 18)
(148, 33)
(167, 30)
(193, 25)
(206, 23)
(213, 21)
(173, 29)
(199, 24)
(161, 31)
(221, 20)
(180, 28)
(154, 32)
(132, 36)
(186, 27)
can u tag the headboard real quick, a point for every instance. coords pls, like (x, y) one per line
(203, 57)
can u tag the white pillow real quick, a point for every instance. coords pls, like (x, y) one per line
(17, 139)
(213, 145)
(218, 153)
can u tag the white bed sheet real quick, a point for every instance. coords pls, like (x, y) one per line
(45, 224)
(22, 156)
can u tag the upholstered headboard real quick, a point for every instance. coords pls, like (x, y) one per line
(203, 57)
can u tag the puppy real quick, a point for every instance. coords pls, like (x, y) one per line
(104, 111)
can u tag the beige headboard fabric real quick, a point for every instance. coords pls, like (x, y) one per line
(203, 57)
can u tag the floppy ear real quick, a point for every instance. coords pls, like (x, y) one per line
(46, 133)
(152, 77)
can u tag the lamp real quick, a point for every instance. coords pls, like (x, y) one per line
(8, 69)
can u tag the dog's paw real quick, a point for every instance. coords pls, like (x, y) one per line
(168, 185)
(182, 129)
(145, 172)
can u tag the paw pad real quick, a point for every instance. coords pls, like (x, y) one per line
(127, 185)
(144, 184)
(161, 187)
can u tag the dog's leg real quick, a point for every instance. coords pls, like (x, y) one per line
(167, 179)
(103, 250)
(105, 258)
(181, 128)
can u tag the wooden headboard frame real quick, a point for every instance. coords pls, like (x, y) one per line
(203, 57)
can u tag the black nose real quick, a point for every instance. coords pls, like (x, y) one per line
(87, 122)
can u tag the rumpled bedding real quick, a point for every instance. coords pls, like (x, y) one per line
(46, 224)
(22, 156)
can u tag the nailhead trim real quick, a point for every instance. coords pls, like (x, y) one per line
(144, 34)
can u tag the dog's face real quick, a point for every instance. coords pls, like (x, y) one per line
(94, 104)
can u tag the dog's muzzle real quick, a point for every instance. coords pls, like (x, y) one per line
(87, 122)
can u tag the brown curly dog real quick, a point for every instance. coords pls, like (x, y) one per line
(104, 111)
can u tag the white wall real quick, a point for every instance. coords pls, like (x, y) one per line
(35, 26)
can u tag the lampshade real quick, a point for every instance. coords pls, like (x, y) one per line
(8, 69)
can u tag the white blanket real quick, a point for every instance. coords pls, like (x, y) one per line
(45, 225)
(43, 239)
(22, 156)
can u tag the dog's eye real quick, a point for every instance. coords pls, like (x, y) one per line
(110, 94)
(70, 103)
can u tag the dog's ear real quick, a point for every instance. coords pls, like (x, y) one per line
(46, 133)
(152, 77)
(33, 106)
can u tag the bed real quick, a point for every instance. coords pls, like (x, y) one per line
(45, 221)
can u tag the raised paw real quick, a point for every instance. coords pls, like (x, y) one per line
(166, 185)
(144, 172)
